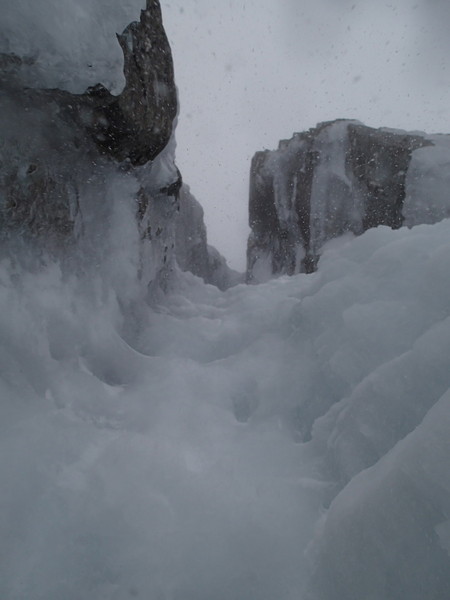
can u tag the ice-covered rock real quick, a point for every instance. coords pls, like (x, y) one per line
(340, 177)
(94, 174)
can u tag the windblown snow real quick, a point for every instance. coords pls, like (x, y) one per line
(171, 461)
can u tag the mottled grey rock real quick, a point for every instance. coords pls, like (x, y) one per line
(192, 250)
(139, 122)
(338, 177)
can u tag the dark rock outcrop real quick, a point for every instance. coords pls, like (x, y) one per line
(138, 123)
(338, 177)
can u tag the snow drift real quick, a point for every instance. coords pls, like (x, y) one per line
(169, 463)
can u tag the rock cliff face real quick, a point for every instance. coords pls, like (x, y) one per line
(95, 172)
(337, 177)
(137, 124)
(192, 250)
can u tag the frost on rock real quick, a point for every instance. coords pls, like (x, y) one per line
(91, 174)
(336, 178)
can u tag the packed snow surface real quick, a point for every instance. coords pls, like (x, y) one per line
(164, 454)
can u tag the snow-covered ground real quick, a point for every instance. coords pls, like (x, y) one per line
(285, 441)
(170, 460)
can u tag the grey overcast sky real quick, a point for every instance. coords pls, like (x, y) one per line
(251, 72)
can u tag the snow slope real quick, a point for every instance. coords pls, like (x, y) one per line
(169, 460)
